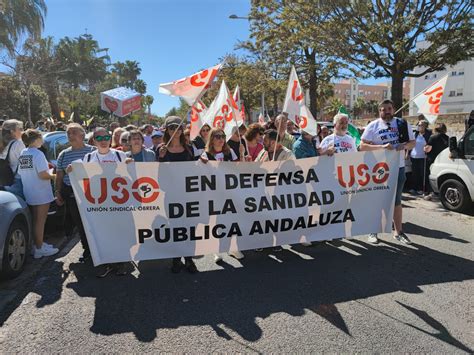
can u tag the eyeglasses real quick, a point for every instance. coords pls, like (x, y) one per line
(174, 127)
(219, 136)
(102, 138)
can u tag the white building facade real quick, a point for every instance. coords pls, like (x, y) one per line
(459, 93)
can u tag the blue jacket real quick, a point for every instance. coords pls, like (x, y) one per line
(304, 149)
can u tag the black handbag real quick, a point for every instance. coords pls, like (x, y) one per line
(402, 126)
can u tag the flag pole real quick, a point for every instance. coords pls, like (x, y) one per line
(421, 92)
(276, 142)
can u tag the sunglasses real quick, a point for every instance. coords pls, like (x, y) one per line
(219, 136)
(174, 127)
(102, 138)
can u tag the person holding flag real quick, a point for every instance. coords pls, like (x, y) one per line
(388, 132)
(339, 141)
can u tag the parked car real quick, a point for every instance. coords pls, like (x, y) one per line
(452, 173)
(15, 234)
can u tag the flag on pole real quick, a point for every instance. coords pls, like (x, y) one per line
(191, 88)
(198, 110)
(428, 101)
(351, 129)
(295, 107)
(223, 112)
(240, 103)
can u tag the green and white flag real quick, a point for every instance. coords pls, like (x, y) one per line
(351, 129)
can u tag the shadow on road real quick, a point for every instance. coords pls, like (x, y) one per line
(411, 228)
(235, 297)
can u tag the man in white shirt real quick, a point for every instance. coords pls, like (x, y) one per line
(383, 133)
(339, 141)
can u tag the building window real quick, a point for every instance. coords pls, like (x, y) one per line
(459, 92)
(385, 94)
(453, 73)
(361, 92)
(353, 97)
(461, 72)
(452, 93)
(427, 77)
(348, 92)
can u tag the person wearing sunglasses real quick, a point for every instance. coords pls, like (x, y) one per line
(199, 143)
(175, 149)
(218, 149)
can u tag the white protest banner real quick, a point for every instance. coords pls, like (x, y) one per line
(120, 101)
(223, 112)
(428, 101)
(142, 211)
(295, 107)
(240, 103)
(192, 87)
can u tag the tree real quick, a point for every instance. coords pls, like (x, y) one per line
(127, 73)
(335, 104)
(379, 37)
(18, 17)
(281, 39)
(359, 107)
(139, 86)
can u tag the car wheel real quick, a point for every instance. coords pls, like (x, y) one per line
(15, 250)
(454, 196)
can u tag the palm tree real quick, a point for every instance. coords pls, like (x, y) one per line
(127, 72)
(18, 17)
(334, 105)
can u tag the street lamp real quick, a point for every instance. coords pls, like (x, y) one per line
(235, 17)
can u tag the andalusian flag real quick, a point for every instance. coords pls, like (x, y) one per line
(351, 129)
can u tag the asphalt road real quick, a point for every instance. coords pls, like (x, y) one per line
(344, 296)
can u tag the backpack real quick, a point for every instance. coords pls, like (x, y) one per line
(6, 173)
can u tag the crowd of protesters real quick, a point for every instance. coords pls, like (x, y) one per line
(29, 175)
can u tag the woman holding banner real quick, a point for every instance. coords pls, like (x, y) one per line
(217, 149)
(199, 143)
(175, 149)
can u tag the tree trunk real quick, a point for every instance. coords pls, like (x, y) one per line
(53, 104)
(313, 82)
(275, 104)
(28, 105)
(397, 91)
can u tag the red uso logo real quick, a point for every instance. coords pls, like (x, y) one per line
(380, 174)
(294, 96)
(143, 190)
(303, 122)
(199, 78)
(435, 99)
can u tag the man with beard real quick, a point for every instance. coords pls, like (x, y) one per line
(385, 133)
(272, 150)
(339, 141)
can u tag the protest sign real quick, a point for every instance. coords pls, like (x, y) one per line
(120, 101)
(141, 211)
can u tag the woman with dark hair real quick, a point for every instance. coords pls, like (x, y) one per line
(199, 143)
(138, 152)
(217, 149)
(438, 142)
(34, 172)
(11, 147)
(174, 149)
(253, 136)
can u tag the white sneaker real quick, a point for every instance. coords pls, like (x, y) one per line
(306, 244)
(237, 254)
(43, 251)
(373, 238)
(217, 258)
(48, 246)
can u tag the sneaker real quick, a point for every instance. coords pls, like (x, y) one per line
(177, 266)
(121, 269)
(44, 251)
(419, 193)
(107, 269)
(217, 258)
(190, 266)
(402, 238)
(428, 197)
(306, 244)
(373, 238)
(237, 254)
(259, 249)
(277, 248)
(412, 191)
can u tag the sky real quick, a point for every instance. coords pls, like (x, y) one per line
(170, 39)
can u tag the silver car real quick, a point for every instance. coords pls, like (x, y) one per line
(15, 234)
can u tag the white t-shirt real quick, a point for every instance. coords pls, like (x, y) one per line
(17, 147)
(417, 152)
(379, 132)
(220, 156)
(341, 144)
(111, 157)
(37, 191)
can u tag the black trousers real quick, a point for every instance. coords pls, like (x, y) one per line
(73, 212)
(420, 172)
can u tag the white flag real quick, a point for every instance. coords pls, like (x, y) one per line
(223, 112)
(295, 107)
(198, 111)
(261, 119)
(428, 102)
(192, 87)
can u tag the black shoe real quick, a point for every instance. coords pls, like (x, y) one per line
(121, 269)
(108, 268)
(190, 266)
(177, 266)
(86, 256)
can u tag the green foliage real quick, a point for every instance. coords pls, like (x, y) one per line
(18, 17)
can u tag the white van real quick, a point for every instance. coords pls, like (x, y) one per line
(452, 174)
